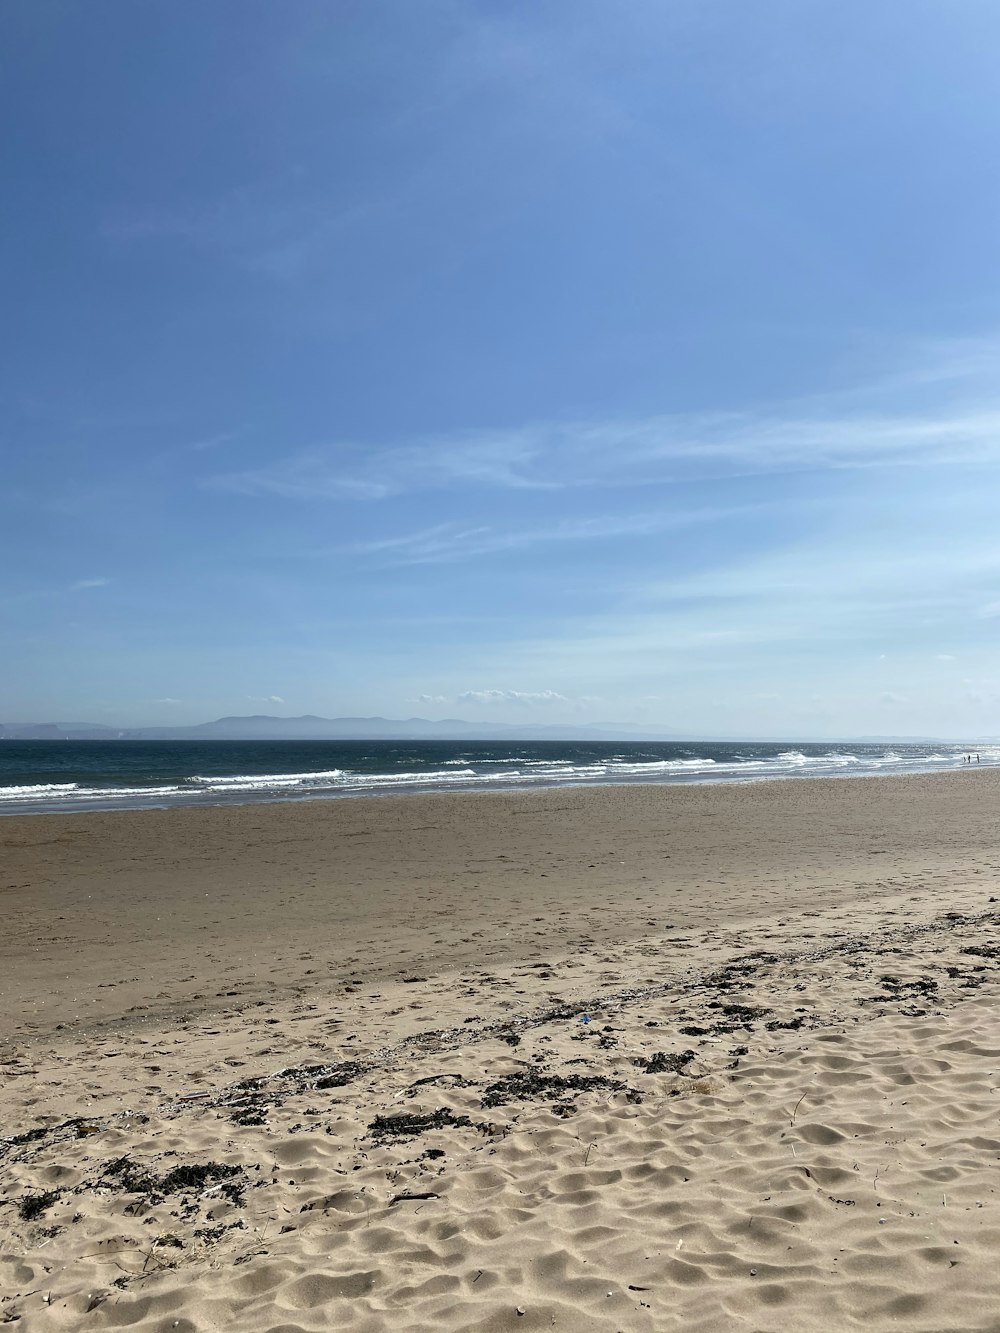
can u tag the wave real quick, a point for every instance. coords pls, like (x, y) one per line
(251, 780)
(408, 779)
(72, 791)
(36, 789)
(471, 771)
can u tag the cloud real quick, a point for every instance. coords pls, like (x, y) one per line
(530, 698)
(212, 441)
(347, 471)
(889, 697)
(458, 541)
(89, 583)
(429, 699)
(168, 701)
(944, 657)
(627, 452)
(313, 474)
(265, 699)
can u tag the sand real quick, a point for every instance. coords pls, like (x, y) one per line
(626, 1058)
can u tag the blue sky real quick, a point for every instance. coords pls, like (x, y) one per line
(546, 361)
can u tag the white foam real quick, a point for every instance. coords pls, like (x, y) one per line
(105, 793)
(409, 779)
(251, 780)
(72, 791)
(38, 789)
(484, 772)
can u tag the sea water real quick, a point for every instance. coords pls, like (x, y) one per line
(44, 776)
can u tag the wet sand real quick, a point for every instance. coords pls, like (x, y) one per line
(781, 1112)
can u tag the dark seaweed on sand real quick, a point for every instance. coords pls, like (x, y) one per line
(133, 1179)
(335, 1076)
(78, 1123)
(740, 1014)
(34, 1205)
(29, 1136)
(408, 1126)
(661, 1063)
(196, 1177)
(528, 1084)
(127, 1176)
(253, 1114)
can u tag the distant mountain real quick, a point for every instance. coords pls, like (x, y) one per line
(264, 727)
(61, 731)
(261, 726)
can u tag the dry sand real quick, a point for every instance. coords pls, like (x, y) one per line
(326, 1066)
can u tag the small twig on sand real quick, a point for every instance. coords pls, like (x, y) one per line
(797, 1105)
(586, 1158)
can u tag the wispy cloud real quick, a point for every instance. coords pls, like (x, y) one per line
(80, 584)
(456, 541)
(313, 474)
(215, 441)
(347, 471)
(628, 452)
(876, 570)
(265, 699)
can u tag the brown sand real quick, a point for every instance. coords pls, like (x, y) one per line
(782, 1113)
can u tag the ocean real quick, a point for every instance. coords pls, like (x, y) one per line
(44, 776)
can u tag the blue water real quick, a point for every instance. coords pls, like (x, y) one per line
(45, 776)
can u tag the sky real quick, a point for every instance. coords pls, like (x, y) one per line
(542, 362)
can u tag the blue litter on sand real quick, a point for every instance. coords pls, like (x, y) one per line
(584, 1018)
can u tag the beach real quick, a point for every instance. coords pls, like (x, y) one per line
(628, 1057)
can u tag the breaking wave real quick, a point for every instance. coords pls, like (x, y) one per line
(156, 778)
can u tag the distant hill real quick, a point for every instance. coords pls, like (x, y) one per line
(264, 727)
(58, 731)
(261, 726)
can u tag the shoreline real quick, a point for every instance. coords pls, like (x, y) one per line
(91, 791)
(195, 802)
